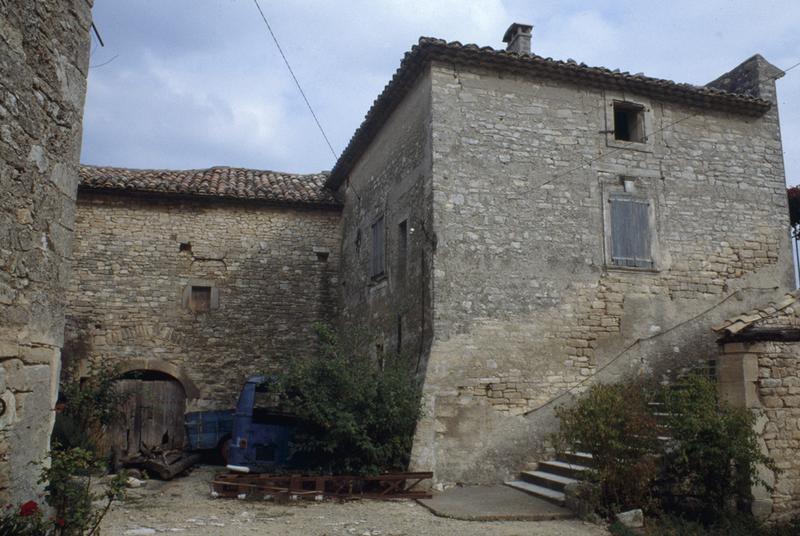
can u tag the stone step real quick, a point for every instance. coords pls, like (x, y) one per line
(567, 469)
(547, 480)
(541, 492)
(580, 458)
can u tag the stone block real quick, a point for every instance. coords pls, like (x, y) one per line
(39, 354)
(27, 378)
(633, 519)
(9, 349)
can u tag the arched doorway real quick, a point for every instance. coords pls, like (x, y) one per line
(153, 414)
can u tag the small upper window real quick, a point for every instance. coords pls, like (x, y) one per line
(630, 231)
(200, 299)
(377, 258)
(402, 249)
(629, 122)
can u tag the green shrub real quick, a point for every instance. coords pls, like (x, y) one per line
(713, 463)
(357, 413)
(25, 520)
(90, 403)
(614, 424)
(74, 506)
(736, 525)
(701, 479)
(69, 492)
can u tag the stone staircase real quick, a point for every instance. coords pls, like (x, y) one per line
(548, 480)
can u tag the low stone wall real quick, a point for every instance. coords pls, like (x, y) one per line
(765, 377)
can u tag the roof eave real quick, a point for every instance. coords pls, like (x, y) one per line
(142, 192)
(433, 49)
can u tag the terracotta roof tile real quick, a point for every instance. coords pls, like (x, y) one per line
(223, 182)
(736, 324)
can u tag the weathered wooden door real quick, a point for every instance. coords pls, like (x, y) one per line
(152, 416)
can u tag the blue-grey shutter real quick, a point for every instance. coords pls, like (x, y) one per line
(378, 249)
(630, 232)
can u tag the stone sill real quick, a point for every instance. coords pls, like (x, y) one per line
(631, 269)
(645, 146)
(378, 283)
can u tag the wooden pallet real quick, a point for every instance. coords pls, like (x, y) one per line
(311, 487)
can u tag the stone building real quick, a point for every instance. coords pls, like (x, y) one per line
(529, 225)
(44, 54)
(518, 226)
(759, 369)
(201, 277)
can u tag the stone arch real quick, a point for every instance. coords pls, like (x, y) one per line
(159, 365)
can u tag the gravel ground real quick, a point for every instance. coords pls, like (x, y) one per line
(184, 506)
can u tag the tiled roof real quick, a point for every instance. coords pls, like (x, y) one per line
(436, 49)
(221, 182)
(736, 324)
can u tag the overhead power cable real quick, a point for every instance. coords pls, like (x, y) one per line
(297, 82)
(640, 340)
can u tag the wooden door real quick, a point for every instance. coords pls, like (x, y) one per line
(152, 416)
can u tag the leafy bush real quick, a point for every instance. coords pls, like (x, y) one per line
(713, 462)
(69, 491)
(793, 193)
(69, 494)
(703, 477)
(25, 520)
(90, 403)
(738, 525)
(357, 413)
(614, 424)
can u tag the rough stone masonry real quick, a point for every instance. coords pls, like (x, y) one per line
(758, 369)
(515, 225)
(264, 245)
(44, 52)
(570, 224)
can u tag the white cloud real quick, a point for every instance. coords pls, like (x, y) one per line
(198, 84)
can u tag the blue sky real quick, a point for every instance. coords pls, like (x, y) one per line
(196, 83)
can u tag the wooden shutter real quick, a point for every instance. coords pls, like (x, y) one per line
(378, 249)
(630, 232)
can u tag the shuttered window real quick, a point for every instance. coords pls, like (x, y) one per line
(377, 258)
(630, 232)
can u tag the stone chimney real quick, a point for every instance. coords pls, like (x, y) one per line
(754, 77)
(518, 37)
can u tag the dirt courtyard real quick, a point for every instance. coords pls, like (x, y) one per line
(184, 506)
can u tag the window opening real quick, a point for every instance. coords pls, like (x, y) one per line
(630, 232)
(629, 122)
(200, 299)
(378, 249)
(399, 334)
(402, 249)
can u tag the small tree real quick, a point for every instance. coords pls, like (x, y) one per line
(90, 403)
(69, 491)
(793, 192)
(356, 413)
(614, 424)
(713, 462)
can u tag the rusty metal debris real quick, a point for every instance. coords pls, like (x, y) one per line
(314, 487)
(166, 464)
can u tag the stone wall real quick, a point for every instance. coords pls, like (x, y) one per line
(44, 52)
(392, 180)
(527, 303)
(759, 369)
(273, 271)
(771, 371)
